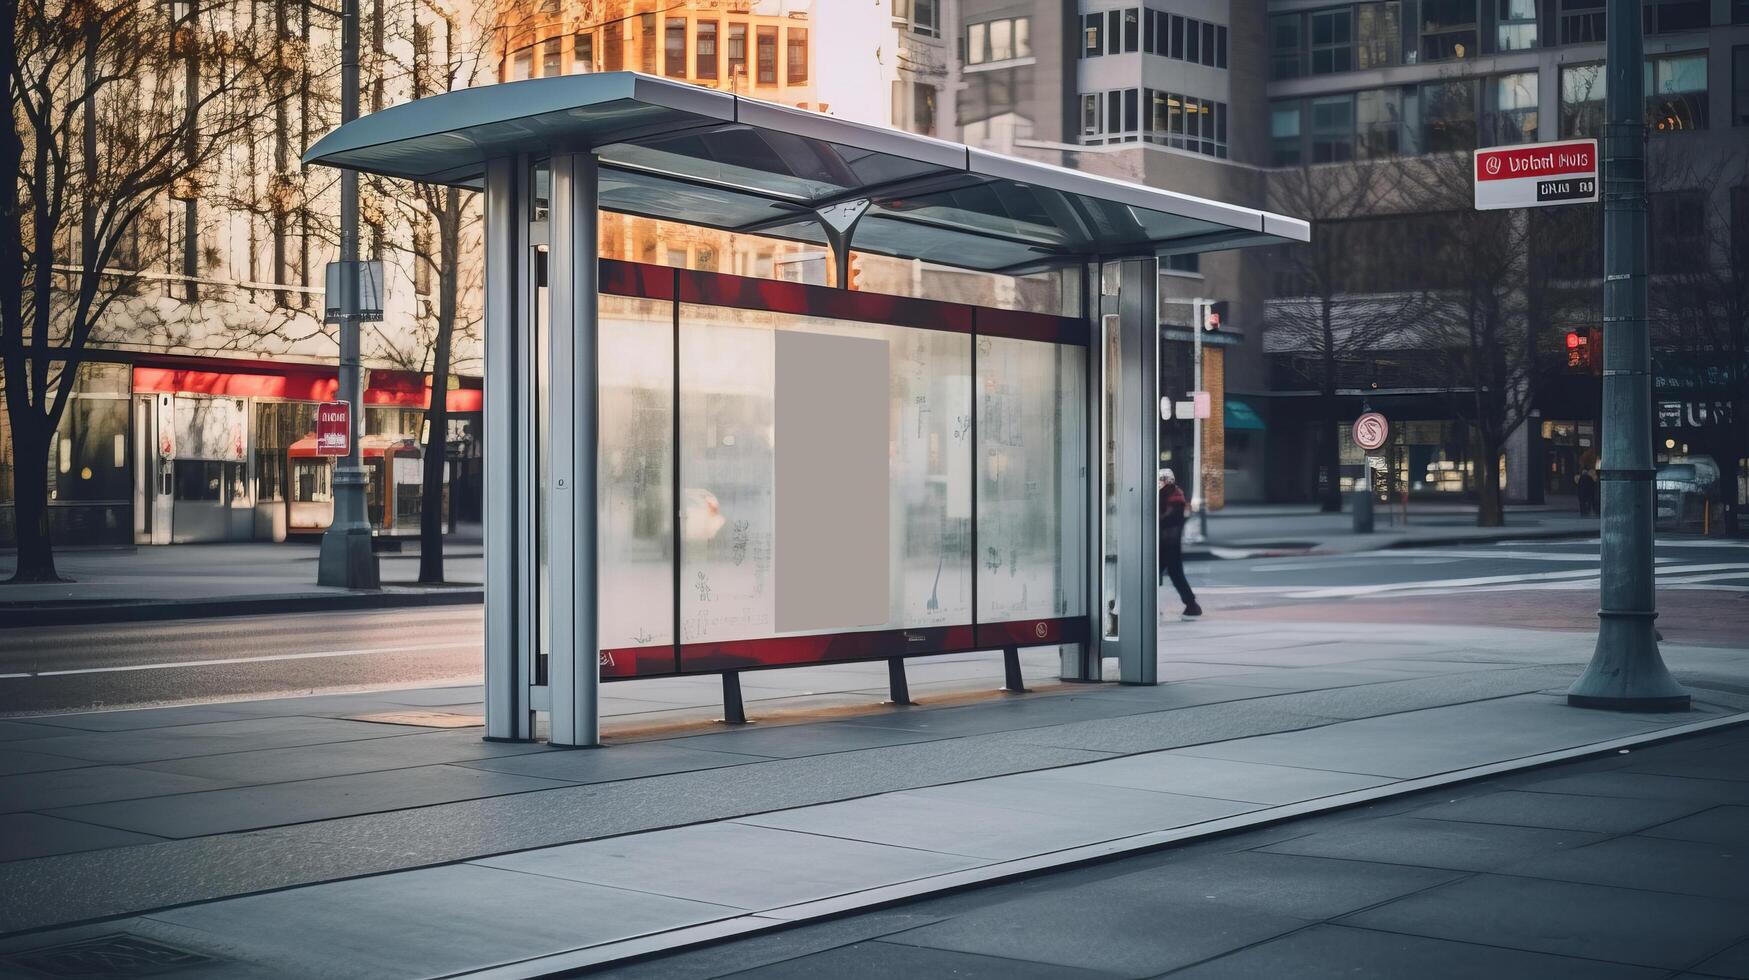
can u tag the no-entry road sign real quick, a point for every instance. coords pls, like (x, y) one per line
(1536, 175)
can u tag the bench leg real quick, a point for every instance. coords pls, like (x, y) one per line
(901, 689)
(1011, 679)
(734, 712)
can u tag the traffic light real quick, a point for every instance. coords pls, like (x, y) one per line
(1579, 349)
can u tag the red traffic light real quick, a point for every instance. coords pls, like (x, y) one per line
(1572, 339)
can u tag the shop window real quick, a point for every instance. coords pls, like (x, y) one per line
(1448, 30)
(1515, 28)
(200, 479)
(796, 53)
(674, 47)
(705, 44)
(767, 54)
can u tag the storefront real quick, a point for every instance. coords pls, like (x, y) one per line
(182, 450)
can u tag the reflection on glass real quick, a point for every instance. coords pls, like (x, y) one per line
(727, 473)
(636, 483)
(1112, 378)
(1031, 501)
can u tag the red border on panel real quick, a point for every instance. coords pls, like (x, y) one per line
(778, 296)
(1032, 632)
(1021, 325)
(617, 278)
(625, 663)
(785, 651)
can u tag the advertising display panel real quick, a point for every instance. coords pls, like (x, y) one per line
(792, 474)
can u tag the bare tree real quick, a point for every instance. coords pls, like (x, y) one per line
(1328, 311)
(114, 106)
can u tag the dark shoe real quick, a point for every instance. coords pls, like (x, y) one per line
(1192, 611)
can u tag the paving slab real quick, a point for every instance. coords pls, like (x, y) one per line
(739, 865)
(94, 784)
(276, 804)
(1648, 786)
(1176, 772)
(1328, 952)
(1282, 884)
(1117, 809)
(1733, 962)
(877, 960)
(212, 738)
(1681, 866)
(1724, 825)
(1434, 843)
(14, 761)
(637, 760)
(437, 921)
(1622, 925)
(797, 741)
(12, 731)
(29, 835)
(1560, 811)
(300, 762)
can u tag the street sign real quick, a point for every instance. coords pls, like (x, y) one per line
(1536, 175)
(370, 290)
(333, 428)
(1371, 431)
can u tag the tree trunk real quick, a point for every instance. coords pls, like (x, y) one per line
(431, 513)
(30, 495)
(1489, 512)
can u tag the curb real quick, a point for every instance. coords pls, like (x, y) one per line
(589, 959)
(100, 611)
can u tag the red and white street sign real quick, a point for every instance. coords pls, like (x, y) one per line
(333, 428)
(1371, 431)
(1536, 175)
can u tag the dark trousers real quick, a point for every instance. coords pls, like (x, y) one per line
(1172, 561)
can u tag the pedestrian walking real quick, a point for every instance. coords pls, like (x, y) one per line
(1174, 511)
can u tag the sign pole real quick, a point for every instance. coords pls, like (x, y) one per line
(1626, 672)
(347, 561)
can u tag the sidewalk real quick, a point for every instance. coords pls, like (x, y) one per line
(241, 578)
(1256, 530)
(352, 835)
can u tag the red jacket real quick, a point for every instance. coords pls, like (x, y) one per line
(1173, 508)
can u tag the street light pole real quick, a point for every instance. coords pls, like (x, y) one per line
(347, 560)
(1626, 671)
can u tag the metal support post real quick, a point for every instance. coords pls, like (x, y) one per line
(896, 682)
(571, 431)
(1626, 671)
(1012, 682)
(734, 712)
(346, 560)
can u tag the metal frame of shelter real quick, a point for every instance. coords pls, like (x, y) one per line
(635, 144)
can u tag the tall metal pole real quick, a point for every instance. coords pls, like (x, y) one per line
(1199, 314)
(347, 560)
(1626, 672)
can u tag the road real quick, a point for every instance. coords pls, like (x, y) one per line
(1704, 596)
(1626, 866)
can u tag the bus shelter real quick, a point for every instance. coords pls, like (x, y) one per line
(689, 472)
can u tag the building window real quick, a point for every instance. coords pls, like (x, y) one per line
(522, 65)
(705, 44)
(1190, 265)
(1092, 35)
(1582, 21)
(1512, 117)
(674, 47)
(1379, 121)
(1175, 38)
(1676, 92)
(1132, 30)
(1670, 16)
(1582, 90)
(1111, 117)
(1332, 128)
(647, 49)
(996, 41)
(1740, 227)
(1284, 133)
(923, 109)
(1516, 28)
(1332, 41)
(1740, 85)
(926, 17)
(549, 58)
(1448, 30)
(797, 53)
(583, 53)
(1284, 46)
(1185, 122)
(1676, 230)
(767, 39)
(737, 51)
(613, 44)
(1448, 116)
(1378, 35)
